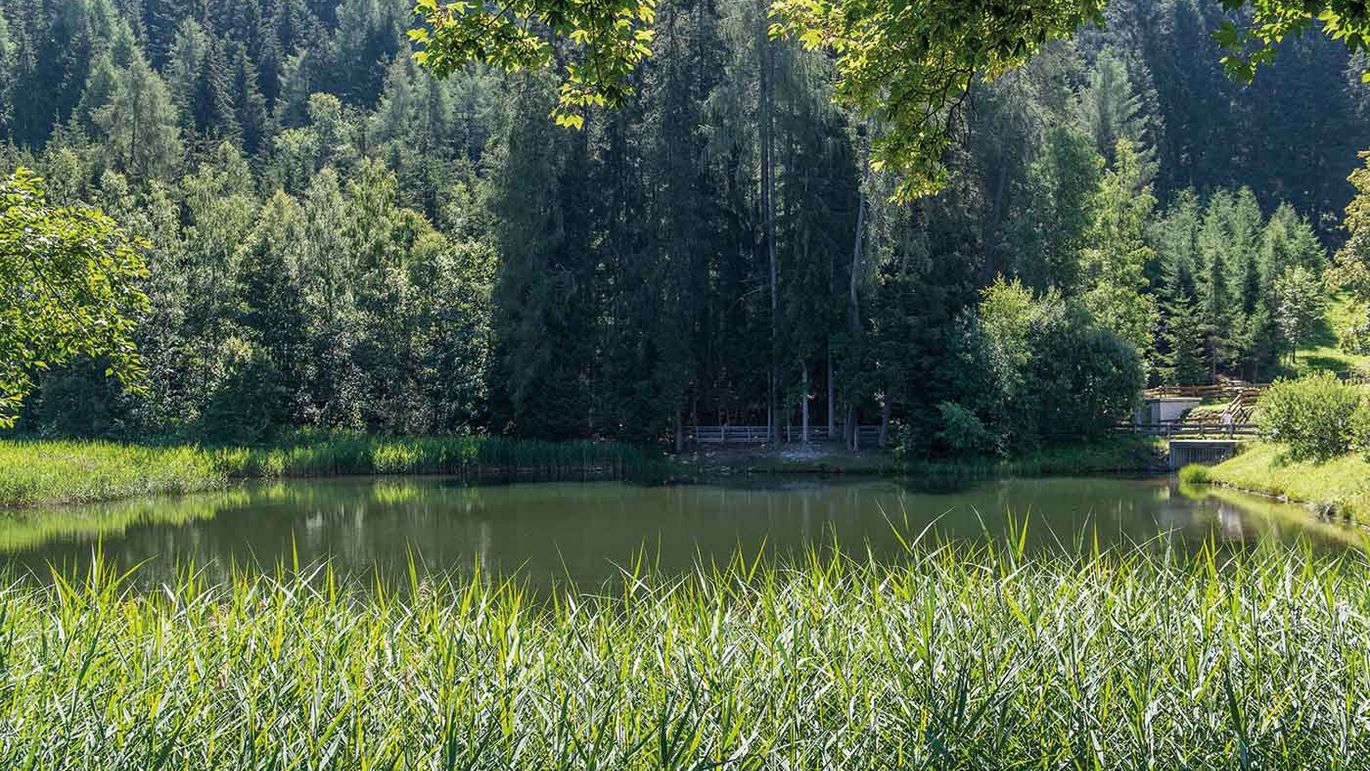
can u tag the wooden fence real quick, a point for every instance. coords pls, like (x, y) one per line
(867, 436)
(1196, 430)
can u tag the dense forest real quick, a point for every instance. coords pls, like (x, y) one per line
(337, 240)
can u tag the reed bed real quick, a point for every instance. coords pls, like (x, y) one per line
(37, 472)
(309, 454)
(955, 658)
(34, 472)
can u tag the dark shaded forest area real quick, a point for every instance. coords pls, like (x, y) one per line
(338, 241)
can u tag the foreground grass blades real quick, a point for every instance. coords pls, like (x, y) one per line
(960, 658)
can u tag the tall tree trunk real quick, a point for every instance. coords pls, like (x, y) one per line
(854, 318)
(995, 219)
(832, 399)
(886, 406)
(804, 403)
(768, 211)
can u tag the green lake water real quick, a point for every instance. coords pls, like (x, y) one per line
(585, 531)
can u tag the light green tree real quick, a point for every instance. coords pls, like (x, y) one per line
(1301, 301)
(69, 282)
(1115, 260)
(140, 124)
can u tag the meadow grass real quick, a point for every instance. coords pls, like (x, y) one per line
(37, 472)
(968, 657)
(1340, 486)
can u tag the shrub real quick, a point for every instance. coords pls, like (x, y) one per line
(1312, 415)
(1356, 339)
(1194, 474)
(1360, 428)
(962, 431)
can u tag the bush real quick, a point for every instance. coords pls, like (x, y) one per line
(1360, 428)
(1312, 415)
(1356, 339)
(1194, 474)
(963, 432)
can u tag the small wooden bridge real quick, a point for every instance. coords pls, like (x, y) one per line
(866, 436)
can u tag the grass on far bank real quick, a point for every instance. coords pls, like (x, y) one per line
(1323, 352)
(1340, 486)
(37, 472)
(952, 658)
(34, 472)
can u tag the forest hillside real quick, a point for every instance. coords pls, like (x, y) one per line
(337, 240)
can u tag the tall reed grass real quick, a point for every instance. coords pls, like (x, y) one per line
(956, 658)
(40, 471)
(35, 472)
(313, 454)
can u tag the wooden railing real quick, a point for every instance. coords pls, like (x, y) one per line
(1195, 430)
(867, 436)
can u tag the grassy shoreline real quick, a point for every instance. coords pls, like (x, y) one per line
(35, 472)
(953, 658)
(1339, 487)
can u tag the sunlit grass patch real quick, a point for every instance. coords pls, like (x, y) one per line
(1340, 486)
(36, 472)
(39, 471)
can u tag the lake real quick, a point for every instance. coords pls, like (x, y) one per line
(585, 531)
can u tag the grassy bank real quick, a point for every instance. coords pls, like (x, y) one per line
(954, 659)
(37, 472)
(1340, 486)
(310, 455)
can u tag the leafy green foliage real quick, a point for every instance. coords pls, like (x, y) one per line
(1312, 415)
(69, 278)
(1352, 261)
(1301, 304)
(610, 37)
(1255, 40)
(339, 240)
(963, 432)
(909, 66)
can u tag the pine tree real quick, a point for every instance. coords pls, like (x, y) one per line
(1111, 110)
(139, 124)
(1185, 360)
(249, 106)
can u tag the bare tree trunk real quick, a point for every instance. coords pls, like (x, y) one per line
(768, 211)
(885, 409)
(832, 399)
(854, 319)
(679, 433)
(804, 403)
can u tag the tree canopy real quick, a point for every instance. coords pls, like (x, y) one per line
(909, 65)
(69, 276)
